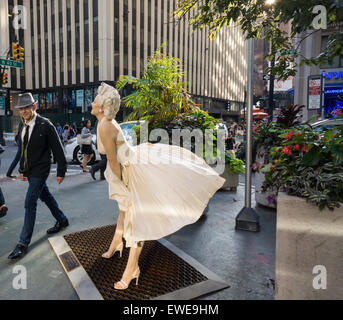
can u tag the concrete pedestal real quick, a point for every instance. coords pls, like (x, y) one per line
(309, 251)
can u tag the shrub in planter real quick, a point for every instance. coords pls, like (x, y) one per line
(160, 98)
(308, 164)
(233, 167)
(267, 136)
(197, 119)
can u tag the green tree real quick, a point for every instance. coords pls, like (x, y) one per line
(258, 19)
(160, 93)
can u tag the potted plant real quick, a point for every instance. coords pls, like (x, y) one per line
(266, 136)
(160, 98)
(233, 167)
(307, 172)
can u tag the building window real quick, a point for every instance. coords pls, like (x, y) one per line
(116, 39)
(86, 39)
(32, 46)
(77, 39)
(337, 63)
(96, 40)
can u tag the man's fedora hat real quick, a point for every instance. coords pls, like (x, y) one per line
(25, 100)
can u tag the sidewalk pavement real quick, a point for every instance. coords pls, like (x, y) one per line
(244, 259)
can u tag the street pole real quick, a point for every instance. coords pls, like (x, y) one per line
(271, 88)
(247, 219)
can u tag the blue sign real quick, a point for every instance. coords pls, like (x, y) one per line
(2, 103)
(332, 75)
(334, 91)
(79, 98)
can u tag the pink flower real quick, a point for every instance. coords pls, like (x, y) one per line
(287, 150)
(305, 149)
(289, 135)
(296, 147)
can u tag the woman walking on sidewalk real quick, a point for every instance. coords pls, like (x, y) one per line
(86, 149)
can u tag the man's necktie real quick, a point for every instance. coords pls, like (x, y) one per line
(23, 158)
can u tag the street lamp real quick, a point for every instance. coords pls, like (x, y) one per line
(247, 219)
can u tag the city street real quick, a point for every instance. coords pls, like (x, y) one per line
(246, 260)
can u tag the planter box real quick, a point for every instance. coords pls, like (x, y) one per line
(232, 180)
(305, 238)
(261, 197)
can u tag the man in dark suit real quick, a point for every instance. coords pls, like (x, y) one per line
(101, 165)
(38, 141)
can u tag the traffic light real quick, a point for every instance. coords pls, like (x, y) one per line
(17, 52)
(5, 78)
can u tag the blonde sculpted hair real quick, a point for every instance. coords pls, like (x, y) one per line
(109, 98)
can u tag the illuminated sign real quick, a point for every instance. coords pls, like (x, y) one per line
(334, 91)
(332, 75)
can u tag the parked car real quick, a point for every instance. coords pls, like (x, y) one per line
(73, 150)
(327, 124)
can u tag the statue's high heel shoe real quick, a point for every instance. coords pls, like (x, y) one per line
(119, 248)
(124, 285)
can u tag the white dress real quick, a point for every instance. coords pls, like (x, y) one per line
(163, 188)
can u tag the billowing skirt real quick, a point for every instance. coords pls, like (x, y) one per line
(163, 188)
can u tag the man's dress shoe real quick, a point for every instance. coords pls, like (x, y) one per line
(18, 252)
(58, 227)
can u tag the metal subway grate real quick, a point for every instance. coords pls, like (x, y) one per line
(162, 271)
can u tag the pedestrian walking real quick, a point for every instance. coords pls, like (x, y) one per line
(3, 207)
(15, 160)
(230, 141)
(38, 140)
(59, 130)
(71, 132)
(239, 138)
(74, 126)
(86, 146)
(65, 133)
(101, 165)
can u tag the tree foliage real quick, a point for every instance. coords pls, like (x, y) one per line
(160, 93)
(257, 19)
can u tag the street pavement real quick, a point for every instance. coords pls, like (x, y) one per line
(246, 260)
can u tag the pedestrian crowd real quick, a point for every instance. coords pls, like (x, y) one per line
(66, 132)
(234, 139)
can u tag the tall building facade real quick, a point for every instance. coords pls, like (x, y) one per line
(328, 76)
(73, 45)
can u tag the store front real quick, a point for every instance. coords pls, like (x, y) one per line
(333, 92)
